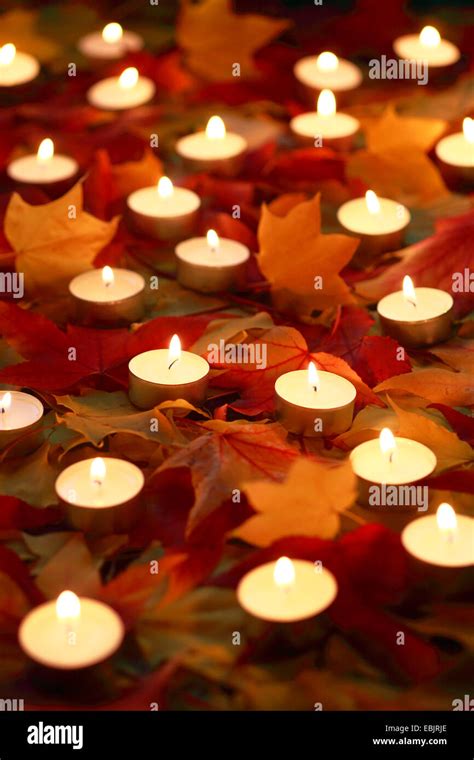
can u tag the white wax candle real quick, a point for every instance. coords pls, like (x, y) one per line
(409, 462)
(458, 149)
(227, 253)
(19, 410)
(43, 168)
(71, 639)
(447, 545)
(333, 391)
(427, 304)
(155, 367)
(373, 216)
(91, 285)
(129, 90)
(287, 590)
(111, 43)
(327, 70)
(16, 67)
(150, 202)
(112, 482)
(213, 144)
(427, 47)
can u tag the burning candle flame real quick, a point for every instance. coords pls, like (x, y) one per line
(5, 402)
(468, 129)
(372, 202)
(108, 277)
(68, 606)
(447, 521)
(174, 352)
(409, 290)
(313, 377)
(327, 61)
(430, 37)
(284, 573)
(212, 240)
(7, 54)
(215, 129)
(112, 32)
(326, 105)
(387, 443)
(128, 78)
(165, 187)
(45, 150)
(98, 471)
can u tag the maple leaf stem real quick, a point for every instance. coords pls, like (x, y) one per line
(355, 518)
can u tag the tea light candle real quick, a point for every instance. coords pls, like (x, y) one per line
(389, 461)
(71, 633)
(101, 495)
(427, 47)
(20, 422)
(287, 590)
(164, 212)
(163, 374)
(129, 90)
(15, 67)
(444, 539)
(416, 316)
(335, 130)
(314, 403)
(214, 150)
(108, 297)
(44, 168)
(111, 43)
(380, 224)
(211, 264)
(327, 71)
(456, 152)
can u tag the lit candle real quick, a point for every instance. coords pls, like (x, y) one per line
(20, 422)
(214, 150)
(314, 403)
(287, 590)
(444, 539)
(71, 633)
(211, 264)
(108, 297)
(101, 495)
(15, 67)
(334, 129)
(43, 168)
(111, 43)
(326, 70)
(129, 90)
(380, 224)
(416, 316)
(163, 211)
(167, 373)
(427, 47)
(456, 153)
(390, 461)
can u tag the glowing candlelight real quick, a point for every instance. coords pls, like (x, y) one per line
(45, 150)
(427, 47)
(212, 240)
(98, 471)
(409, 290)
(165, 187)
(215, 129)
(112, 33)
(128, 78)
(326, 105)
(447, 521)
(313, 377)
(387, 442)
(468, 129)
(444, 539)
(325, 125)
(7, 54)
(326, 70)
(174, 351)
(5, 404)
(430, 37)
(20, 418)
(284, 573)
(108, 277)
(372, 202)
(68, 607)
(214, 149)
(327, 61)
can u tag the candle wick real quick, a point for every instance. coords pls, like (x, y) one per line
(97, 482)
(315, 388)
(173, 362)
(390, 457)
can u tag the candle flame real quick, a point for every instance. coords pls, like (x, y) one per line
(5, 402)
(68, 606)
(284, 573)
(165, 187)
(372, 202)
(212, 240)
(174, 352)
(468, 129)
(112, 32)
(447, 521)
(327, 61)
(128, 78)
(313, 377)
(430, 37)
(387, 443)
(98, 471)
(108, 277)
(326, 105)
(7, 54)
(215, 129)
(45, 150)
(409, 290)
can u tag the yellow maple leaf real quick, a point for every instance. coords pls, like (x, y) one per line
(294, 251)
(391, 130)
(214, 38)
(19, 26)
(133, 175)
(55, 241)
(307, 503)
